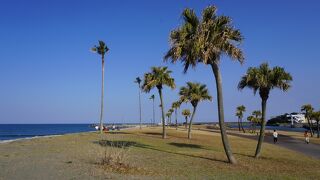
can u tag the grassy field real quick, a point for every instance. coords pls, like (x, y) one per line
(144, 155)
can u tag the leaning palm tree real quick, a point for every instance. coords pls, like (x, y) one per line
(205, 40)
(194, 93)
(316, 116)
(101, 49)
(239, 113)
(138, 81)
(186, 113)
(153, 114)
(159, 77)
(176, 106)
(264, 79)
(308, 109)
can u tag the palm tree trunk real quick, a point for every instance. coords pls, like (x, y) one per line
(164, 134)
(190, 122)
(140, 105)
(153, 111)
(224, 137)
(239, 124)
(318, 129)
(102, 96)
(176, 119)
(186, 122)
(262, 128)
(254, 128)
(310, 128)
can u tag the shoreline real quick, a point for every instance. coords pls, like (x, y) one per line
(28, 138)
(55, 135)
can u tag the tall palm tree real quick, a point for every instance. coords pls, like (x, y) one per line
(205, 40)
(101, 49)
(316, 116)
(138, 81)
(239, 113)
(176, 106)
(194, 93)
(159, 77)
(264, 79)
(186, 113)
(153, 114)
(308, 109)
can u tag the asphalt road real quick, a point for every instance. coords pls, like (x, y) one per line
(312, 150)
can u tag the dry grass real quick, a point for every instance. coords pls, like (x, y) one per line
(203, 157)
(142, 154)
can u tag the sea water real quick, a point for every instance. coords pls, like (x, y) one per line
(19, 131)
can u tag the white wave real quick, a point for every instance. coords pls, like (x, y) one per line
(22, 139)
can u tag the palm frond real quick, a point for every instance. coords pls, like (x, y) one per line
(204, 40)
(158, 77)
(263, 79)
(194, 93)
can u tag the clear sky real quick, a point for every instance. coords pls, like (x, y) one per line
(48, 74)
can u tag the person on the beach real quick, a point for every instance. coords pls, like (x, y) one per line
(275, 136)
(306, 135)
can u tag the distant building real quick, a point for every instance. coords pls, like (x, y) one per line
(297, 117)
(293, 118)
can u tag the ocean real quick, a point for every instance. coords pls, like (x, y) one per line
(19, 131)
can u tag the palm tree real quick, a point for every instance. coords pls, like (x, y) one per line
(175, 106)
(186, 113)
(102, 49)
(169, 114)
(239, 113)
(251, 119)
(205, 40)
(264, 79)
(138, 81)
(159, 77)
(257, 119)
(257, 114)
(308, 109)
(194, 93)
(316, 116)
(153, 117)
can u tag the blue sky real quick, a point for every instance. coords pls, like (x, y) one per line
(48, 74)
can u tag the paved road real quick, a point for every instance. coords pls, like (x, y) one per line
(312, 150)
